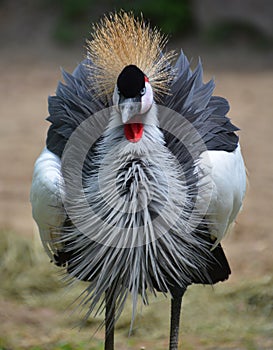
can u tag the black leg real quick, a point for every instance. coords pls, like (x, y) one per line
(109, 321)
(176, 303)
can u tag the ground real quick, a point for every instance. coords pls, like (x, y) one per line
(244, 75)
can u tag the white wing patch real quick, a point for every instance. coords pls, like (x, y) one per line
(46, 199)
(222, 190)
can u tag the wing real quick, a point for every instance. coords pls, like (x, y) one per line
(46, 200)
(222, 189)
(220, 168)
(74, 102)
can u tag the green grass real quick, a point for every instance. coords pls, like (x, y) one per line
(39, 311)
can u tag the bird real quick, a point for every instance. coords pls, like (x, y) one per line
(141, 176)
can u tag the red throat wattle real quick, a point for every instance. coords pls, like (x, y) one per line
(133, 131)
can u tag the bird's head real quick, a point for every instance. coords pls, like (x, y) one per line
(128, 65)
(133, 98)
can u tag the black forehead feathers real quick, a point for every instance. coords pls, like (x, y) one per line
(131, 81)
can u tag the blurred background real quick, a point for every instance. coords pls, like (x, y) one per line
(235, 42)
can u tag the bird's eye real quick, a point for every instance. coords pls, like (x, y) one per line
(143, 91)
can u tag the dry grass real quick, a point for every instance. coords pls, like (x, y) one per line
(36, 310)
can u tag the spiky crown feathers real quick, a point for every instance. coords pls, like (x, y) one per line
(119, 40)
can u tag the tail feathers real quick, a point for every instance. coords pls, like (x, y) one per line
(217, 269)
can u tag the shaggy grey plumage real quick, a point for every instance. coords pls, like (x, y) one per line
(171, 248)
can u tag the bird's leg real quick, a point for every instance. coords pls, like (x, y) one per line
(176, 303)
(109, 321)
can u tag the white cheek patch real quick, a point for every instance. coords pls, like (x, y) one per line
(147, 99)
(115, 96)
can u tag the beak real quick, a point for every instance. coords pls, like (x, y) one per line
(129, 108)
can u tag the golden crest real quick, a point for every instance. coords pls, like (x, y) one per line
(119, 40)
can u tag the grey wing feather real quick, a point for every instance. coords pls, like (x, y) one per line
(193, 99)
(74, 102)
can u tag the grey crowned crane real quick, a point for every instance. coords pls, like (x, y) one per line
(142, 173)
